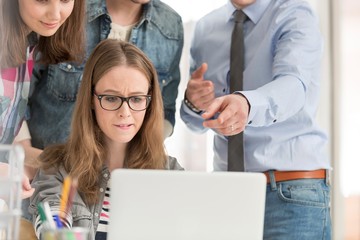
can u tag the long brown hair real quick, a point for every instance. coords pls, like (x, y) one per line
(67, 44)
(83, 154)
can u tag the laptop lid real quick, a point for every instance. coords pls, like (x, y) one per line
(183, 205)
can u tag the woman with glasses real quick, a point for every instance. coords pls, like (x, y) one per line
(117, 123)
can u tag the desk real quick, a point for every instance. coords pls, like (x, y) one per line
(26, 230)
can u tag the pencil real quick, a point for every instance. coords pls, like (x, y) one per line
(73, 188)
(64, 196)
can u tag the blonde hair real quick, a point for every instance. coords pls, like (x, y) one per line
(67, 44)
(83, 154)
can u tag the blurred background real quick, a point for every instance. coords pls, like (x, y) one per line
(339, 113)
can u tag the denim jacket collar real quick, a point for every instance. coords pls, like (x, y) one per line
(95, 8)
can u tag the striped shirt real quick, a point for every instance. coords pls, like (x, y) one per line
(14, 92)
(101, 232)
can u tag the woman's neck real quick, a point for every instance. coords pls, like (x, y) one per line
(124, 12)
(115, 155)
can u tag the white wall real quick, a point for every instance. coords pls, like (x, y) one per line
(193, 151)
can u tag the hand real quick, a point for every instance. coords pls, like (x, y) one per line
(27, 190)
(200, 92)
(234, 112)
(30, 166)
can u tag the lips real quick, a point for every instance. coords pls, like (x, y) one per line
(50, 25)
(123, 126)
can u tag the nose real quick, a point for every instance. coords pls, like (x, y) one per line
(124, 111)
(54, 10)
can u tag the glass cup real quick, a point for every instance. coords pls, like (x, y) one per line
(75, 233)
(11, 173)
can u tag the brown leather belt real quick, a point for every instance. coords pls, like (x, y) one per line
(281, 176)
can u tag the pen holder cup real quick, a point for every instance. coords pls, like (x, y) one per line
(11, 173)
(75, 233)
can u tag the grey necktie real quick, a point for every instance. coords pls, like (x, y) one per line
(235, 143)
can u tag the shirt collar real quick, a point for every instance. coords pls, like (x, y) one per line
(147, 11)
(253, 11)
(95, 8)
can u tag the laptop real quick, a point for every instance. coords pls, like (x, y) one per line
(184, 205)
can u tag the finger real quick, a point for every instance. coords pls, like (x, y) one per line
(232, 130)
(202, 89)
(219, 123)
(199, 89)
(215, 124)
(221, 128)
(229, 130)
(222, 121)
(28, 193)
(216, 106)
(199, 72)
(226, 131)
(26, 183)
(27, 190)
(200, 94)
(227, 117)
(205, 101)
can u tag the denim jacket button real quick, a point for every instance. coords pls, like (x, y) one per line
(69, 66)
(105, 175)
(101, 190)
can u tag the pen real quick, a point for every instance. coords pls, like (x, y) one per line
(48, 214)
(58, 221)
(41, 212)
(44, 219)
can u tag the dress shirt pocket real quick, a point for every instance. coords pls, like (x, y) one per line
(64, 80)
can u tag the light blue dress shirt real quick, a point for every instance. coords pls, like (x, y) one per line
(283, 51)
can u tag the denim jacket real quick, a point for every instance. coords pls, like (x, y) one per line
(54, 88)
(48, 188)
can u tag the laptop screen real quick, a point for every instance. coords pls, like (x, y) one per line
(164, 205)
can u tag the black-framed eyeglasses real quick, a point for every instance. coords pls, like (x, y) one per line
(113, 103)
